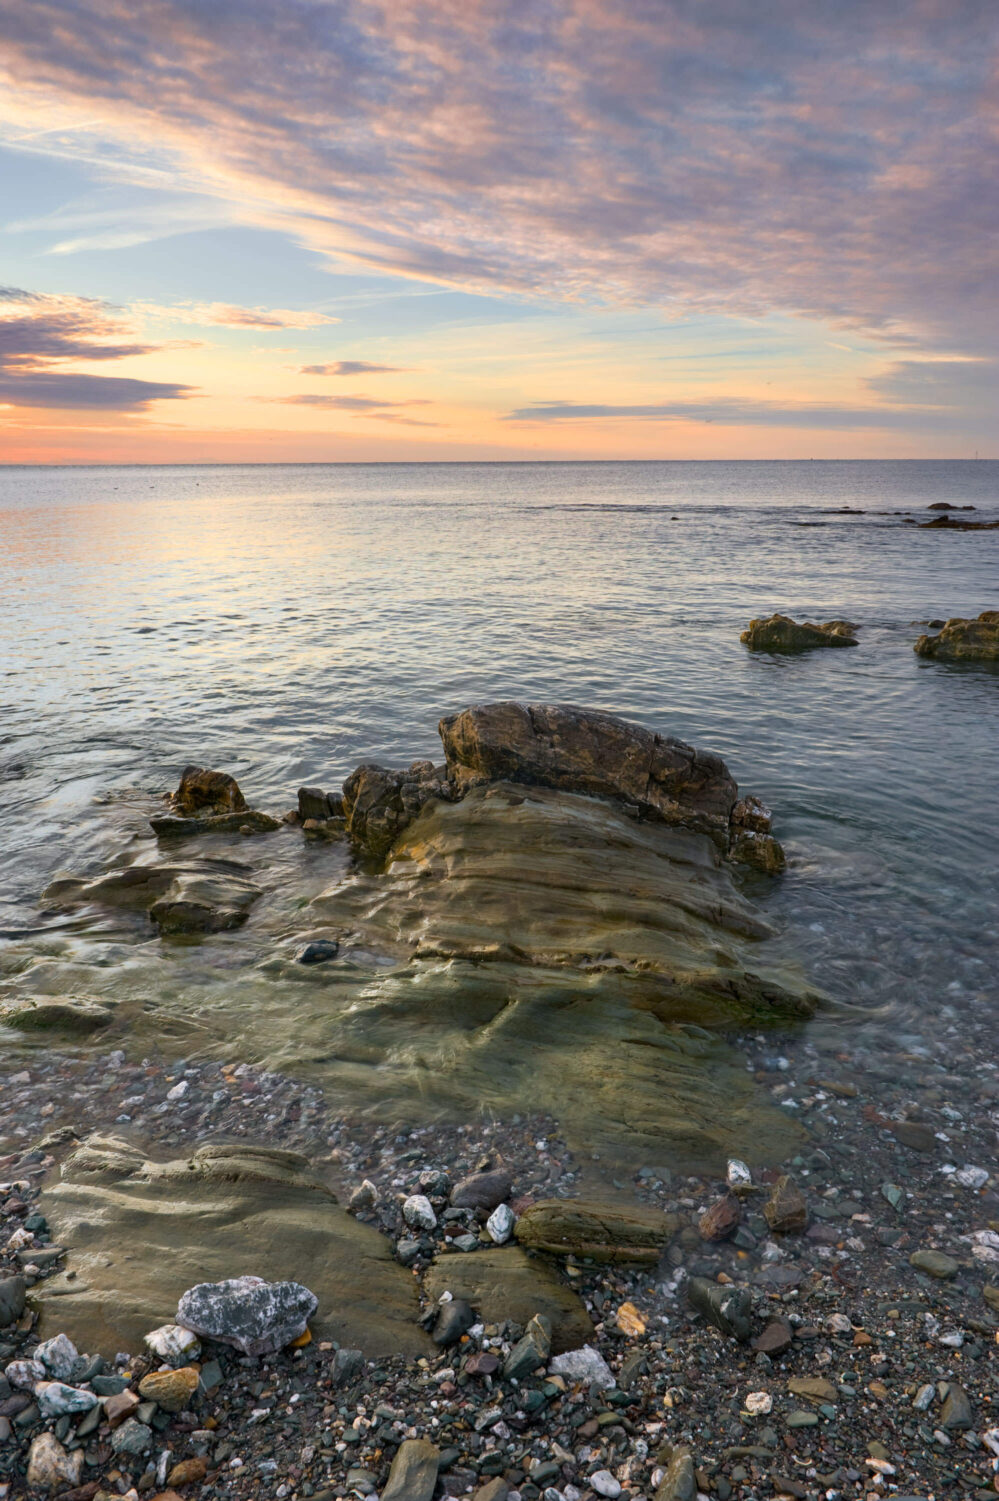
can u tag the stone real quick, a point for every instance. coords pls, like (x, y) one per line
(482, 1190)
(531, 1351)
(963, 640)
(779, 633)
(347, 1368)
(207, 895)
(51, 1467)
(454, 1318)
(500, 1224)
(680, 1481)
(378, 803)
(725, 1308)
(129, 1220)
(956, 1413)
(24, 1375)
(250, 821)
(203, 791)
(586, 1365)
(55, 1398)
(758, 1404)
(506, 1282)
(775, 1339)
(972, 1177)
(494, 1490)
(814, 1389)
(413, 1476)
(171, 1390)
(120, 1406)
(44, 1013)
(603, 1231)
(604, 1483)
(313, 802)
(319, 951)
(255, 1316)
(991, 1296)
(418, 1212)
(132, 1439)
(914, 1134)
(720, 1220)
(364, 1196)
(188, 1472)
(738, 1177)
(173, 1344)
(786, 1211)
(935, 1264)
(58, 1356)
(12, 1299)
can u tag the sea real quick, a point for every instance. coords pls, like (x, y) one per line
(285, 622)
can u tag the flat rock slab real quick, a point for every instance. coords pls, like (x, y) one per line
(602, 1231)
(507, 1283)
(141, 1233)
(413, 1476)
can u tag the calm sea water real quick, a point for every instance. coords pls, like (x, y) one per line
(284, 622)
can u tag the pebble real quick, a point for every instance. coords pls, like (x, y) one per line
(174, 1344)
(758, 1404)
(500, 1224)
(55, 1398)
(418, 1212)
(585, 1364)
(935, 1264)
(604, 1484)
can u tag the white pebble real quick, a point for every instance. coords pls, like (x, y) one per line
(759, 1404)
(500, 1224)
(419, 1212)
(604, 1484)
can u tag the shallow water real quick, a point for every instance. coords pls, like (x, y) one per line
(286, 622)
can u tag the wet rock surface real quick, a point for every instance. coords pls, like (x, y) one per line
(779, 633)
(964, 640)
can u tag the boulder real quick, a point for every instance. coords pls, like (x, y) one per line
(203, 791)
(46, 1013)
(779, 633)
(601, 1231)
(140, 1233)
(255, 1316)
(197, 896)
(505, 1282)
(964, 640)
(378, 803)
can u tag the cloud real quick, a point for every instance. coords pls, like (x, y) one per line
(343, 403)
(228, 315)
(737, 413)
(826, 160)
(352, 367)
(40, 333)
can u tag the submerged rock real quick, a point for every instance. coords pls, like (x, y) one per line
(779, 633)
(199, 896)
(964, 640)
(602, 1231)
(255, 1316)
(141, 1233)
(506, 1283)
(45, 1013)
(726, 1308)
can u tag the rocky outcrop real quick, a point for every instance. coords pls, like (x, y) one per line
(210, 802)
(779, 633)
(378, 803)
(964, 640)
(202, 896)
(140, 1234)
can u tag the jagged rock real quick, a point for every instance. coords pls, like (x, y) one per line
(956, 1413)
(55, 1398)
(12, 1299)
(58, 1356)
(141, 1233)
(585, 1364)
(255, 1316)
(531, 1351)
(602, 1231)
(721, 1219)
(779, 633)
(413, 1476)
(51, 1467)
(761, 851)
(786, 1211)
(378, 803)
(680, 1481)
(313, 802)
(173, 1344)
(203, 791)
(963, 640)
(171, 1390)
(132, 1439)
(250, 821)
(589, 752)
(504, 1282)
(725, 1308)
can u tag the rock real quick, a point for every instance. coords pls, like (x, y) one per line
(129, 1220)
(50, 1466)
(500, 1224)
(203, 791)
(725, 1308)
(935, 1264)
(58, 1356)
(720, 1220)
(604, 1484)
(586, 751)
(55, 1398)
(204, 902)
(413, 1476)
(738, 1177)
(313, 802)
(187, 1472)
(963, 640)
(531, 1351)
(120, 1406)
(915, 1135)
(378, 804)
(364, 1196)
(319, 951)
(494, 1490)
(206, 895)
(604, 1232)
(347, 1368)
(171, 1390)
(132, 1439)
(814, 1389)
(255, 1316)
(12, 1299)
(482, 1190)
(173, 1344)
(506, 1283)
(585, 1364)
(24, 1375)
(779, 633)
(956, 1414)
(758, 1404)
(972, 1177)
(44, 1013)
(454, 1318)
(991, 1296)
(250, 821)
(786, 1211)
(680, 1482)
(775, 1339)
(418, 1212)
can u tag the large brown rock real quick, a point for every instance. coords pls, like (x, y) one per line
(587, 751)
(964, 640)
(195, 896)
(602, 1231)
(779, 633)
(379, 803)
(204, 791)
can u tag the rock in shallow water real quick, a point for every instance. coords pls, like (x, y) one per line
(779, 633)
(602, 1231)
(504, 1282)
(257, 1317)
(964, 640)
(726, 1308)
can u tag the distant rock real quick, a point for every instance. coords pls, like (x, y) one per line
(945, 505)
(948, 524)
(255, 1316)
(964, 640)
(779, 633)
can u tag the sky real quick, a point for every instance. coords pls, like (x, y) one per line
(310, 230)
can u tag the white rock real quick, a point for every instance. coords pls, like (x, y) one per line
(971, 1177)
(174, 1344)
(58, 1356)
(839, 1324)
(500, 1224)
(55, 1398)
(759, 1404)
(585, 1364)
(255, 1316)
(24, 1375)
(178, 1091)
(738, 1177)
(418, 1212)
(604, 1484)
(20, 1239)
(50, 1467)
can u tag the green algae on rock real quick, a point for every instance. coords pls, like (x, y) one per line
(140, 1233)
(779, 633)
(964, 640)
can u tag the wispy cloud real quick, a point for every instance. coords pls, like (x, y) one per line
(352, 367)
(229, 315)
(343, 403)
(40, 335)
(736, 413)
